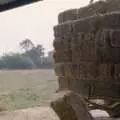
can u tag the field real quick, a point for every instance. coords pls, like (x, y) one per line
(26, 88)
(32, 89)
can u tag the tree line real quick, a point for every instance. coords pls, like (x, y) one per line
(32, 57)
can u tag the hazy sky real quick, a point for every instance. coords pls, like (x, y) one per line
(34, 21)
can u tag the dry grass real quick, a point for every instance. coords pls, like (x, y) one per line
(29, 88)
(26, 88)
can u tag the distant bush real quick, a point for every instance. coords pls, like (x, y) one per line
(31, 58)
(16, 61)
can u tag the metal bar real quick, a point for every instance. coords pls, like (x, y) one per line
(7, 5)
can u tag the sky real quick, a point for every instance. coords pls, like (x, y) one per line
(34, 22)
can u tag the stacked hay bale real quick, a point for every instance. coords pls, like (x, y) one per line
(87, 50)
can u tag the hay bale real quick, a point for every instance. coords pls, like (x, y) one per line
(58, 43)
(117, 73)
(102, 46)
(62, 30)
(104, 90)
(59, 69)
(68, 69)
(100, 38)
(107, 72)
(108, 55)
(63, 83)
(62, 56)
(67, 15)
(93, 89)
(92, 9)
(97, 8)
(114, 37)
(94, 23)
(88, 71)
(62, 43)
(83, 47)
(107, 46)
(79, 86)
(83, 70)
(76, 85)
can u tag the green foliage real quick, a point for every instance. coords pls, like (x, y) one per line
(35, 53)
(32, 57)
(26, 45)
(16, 61)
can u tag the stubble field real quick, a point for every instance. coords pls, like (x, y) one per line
(26, 88)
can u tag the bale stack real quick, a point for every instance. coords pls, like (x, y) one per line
(87, 50)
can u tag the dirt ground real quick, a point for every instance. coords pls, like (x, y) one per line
(38, 113)
(43, 113)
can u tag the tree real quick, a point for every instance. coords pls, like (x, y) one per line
(26, 44)
(40, 51)
(35, 52)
